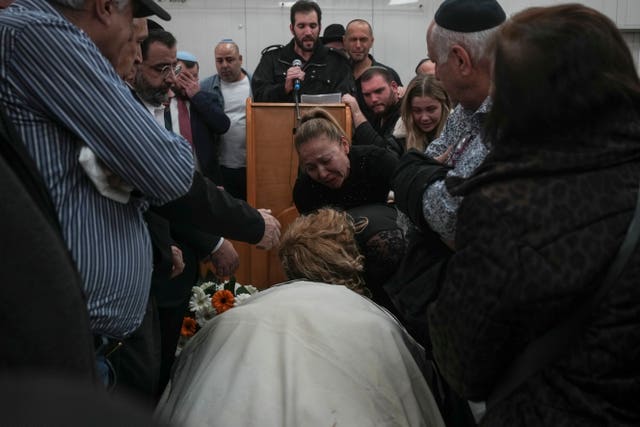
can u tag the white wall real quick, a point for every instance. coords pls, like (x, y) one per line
(399, 30)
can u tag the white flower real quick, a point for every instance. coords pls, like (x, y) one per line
(240, 298)
(199, 299)
(204, 315)
(200, 303)
(206, 285)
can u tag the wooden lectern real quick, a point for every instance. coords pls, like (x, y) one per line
(272, 168)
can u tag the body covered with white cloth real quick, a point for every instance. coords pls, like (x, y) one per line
(301, 354)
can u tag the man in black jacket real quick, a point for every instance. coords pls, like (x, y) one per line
(380, 94)
(321, 69)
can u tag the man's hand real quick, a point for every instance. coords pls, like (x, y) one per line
(188, 83)
(271, 236)
(178, 262)
(444, 157)
(293, 73)
(225, 260)
(356, 114)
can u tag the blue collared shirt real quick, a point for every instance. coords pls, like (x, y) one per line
(61, 93)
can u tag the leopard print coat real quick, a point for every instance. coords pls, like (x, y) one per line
(537, 229)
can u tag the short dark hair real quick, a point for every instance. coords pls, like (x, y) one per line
(160, 36)
(377, 70)
(305, 6)
(422, 61)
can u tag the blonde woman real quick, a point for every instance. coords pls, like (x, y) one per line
(304, 353)
(356, 179)
(424, 111)
(321, 247)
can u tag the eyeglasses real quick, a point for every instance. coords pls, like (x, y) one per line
(165, 70)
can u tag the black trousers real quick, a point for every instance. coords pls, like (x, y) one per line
(137, 362)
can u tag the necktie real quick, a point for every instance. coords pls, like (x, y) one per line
(167, 119)
(184, 121)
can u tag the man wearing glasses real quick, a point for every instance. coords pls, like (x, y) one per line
(158, 71)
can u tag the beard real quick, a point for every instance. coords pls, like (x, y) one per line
(358, 57)
(383, 109)
(153, 95)
(300, 43)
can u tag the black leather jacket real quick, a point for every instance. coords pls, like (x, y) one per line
(327, 71)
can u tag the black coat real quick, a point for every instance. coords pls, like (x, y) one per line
(536, 230)
(327, 71)
(208, 121)
(379, 132)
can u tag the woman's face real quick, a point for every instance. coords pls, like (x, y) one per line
(426, 112)
(325, 160)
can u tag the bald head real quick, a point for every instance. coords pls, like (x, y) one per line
(228, 61)
(358, 39)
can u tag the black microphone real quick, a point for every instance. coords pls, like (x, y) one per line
(296, 82)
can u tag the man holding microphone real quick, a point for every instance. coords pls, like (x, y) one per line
(304, 59)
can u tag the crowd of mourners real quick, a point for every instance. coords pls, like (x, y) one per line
(465, 255)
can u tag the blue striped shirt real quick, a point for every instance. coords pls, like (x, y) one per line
(61, 93)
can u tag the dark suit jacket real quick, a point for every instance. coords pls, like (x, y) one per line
(207, 121)
(215, 211)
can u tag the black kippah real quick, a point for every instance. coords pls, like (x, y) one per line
(469, 16)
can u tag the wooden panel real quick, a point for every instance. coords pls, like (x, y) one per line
(272, 168)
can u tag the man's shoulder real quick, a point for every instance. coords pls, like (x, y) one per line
(334, 58)
(273, 49)
(36, 17)
(204, 96)
(209, 82)
(369, 152)
(338, 52)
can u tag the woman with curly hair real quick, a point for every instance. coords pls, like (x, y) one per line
(309, 352)
(321, 247)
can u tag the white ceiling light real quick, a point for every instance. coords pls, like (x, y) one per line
(397, 2)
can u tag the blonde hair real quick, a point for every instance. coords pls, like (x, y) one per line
(317, 122)
(423, 85)
(320, 246)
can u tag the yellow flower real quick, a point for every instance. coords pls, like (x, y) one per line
(222, 300)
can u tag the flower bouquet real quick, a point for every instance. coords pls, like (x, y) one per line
(209, 299)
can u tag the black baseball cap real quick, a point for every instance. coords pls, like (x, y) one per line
(144, 8)
(333, 33)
